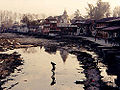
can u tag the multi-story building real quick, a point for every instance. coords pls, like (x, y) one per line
(50, 26)
(84, 27)
(108, 27)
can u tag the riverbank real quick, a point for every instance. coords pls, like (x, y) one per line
(8, 63)
(78, 45)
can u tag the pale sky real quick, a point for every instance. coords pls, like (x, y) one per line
(49, 7)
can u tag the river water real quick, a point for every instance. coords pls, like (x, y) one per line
(36, 73)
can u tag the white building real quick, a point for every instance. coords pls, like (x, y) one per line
(22, 28)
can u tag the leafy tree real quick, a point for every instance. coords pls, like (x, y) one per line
(25, 19)
(98, 11)
(77, 15)
(116, 11)
(90, 11)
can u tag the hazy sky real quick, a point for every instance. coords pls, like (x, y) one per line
(49, 7)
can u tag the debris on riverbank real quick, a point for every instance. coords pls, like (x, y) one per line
(6, 44)
(9, 62)
(92, 73)
(9, 41)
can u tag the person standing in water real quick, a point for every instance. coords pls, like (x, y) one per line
(53, 75)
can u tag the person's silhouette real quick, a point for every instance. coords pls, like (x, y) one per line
(53, 66)
(53, 75)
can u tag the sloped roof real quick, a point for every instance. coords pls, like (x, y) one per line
(114, 28)
(50, 18)
(114, 20)
(107, 19)
(101, 27)
(87, 21)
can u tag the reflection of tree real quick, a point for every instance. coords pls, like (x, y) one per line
(64, 54)
(29, 50)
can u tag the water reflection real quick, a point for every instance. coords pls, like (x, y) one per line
(29, 50)
(13, 85)
(105, 71)
(51, 49)
(53, 74)
(41, 76)
(64, 54)
(114, 70)
(53, 78)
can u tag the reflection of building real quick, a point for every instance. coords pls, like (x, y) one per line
(64, 54)
(29, 50)
(51, 49)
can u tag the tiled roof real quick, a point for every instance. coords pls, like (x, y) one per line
(114, 20)
(107, 19)
(101, 27)
(111, 28)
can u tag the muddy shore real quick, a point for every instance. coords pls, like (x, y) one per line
(8, 63)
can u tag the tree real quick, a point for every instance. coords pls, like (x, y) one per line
(98, 11)
(90, 11)
(6, 18)
(77, 15)
(25, 19)
(116, 11)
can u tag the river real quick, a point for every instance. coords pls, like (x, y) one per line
(36, 73)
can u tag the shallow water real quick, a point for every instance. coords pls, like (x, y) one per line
(36, 72)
